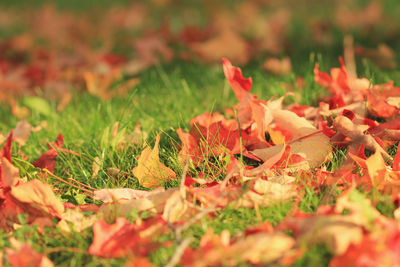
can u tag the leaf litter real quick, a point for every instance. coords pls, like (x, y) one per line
(289, 147)
(275, 180)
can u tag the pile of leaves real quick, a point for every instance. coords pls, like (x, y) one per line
(257, 154)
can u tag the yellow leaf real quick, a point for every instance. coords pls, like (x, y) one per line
(150, 171)
(376, 168)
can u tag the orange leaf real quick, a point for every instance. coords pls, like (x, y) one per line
(215, 48)
(37, 198)
(240, 85)
(23, 255)
(116, 240)
(376, 168)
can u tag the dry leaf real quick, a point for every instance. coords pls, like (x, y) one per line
(259, 248)
(152, 202)
(114, 240)
(346, 127)
(23, 255)
(96, 167)
(277, 66)
(117, 194)
(150, 171)
(77, 219)
(305, 138)
(22, 131)
(213, 50)
(37, 198)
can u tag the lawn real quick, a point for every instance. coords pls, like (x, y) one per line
(215, 200)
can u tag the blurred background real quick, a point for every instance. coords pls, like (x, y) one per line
(51, 47)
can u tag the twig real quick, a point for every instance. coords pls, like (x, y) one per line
(66, 182)
(176, 257)
(82, 184)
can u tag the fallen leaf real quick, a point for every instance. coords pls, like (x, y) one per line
(117, 194)
(48, 159)
(259, 248)
(152, 202)
(114, 240)
(337, 232)
(150, 171)
(214, 49)
(305, 137)
(118, 239)
(277, 66)
(38, 199)
(75, 220)
(22, 132)
(240, 85)
(346, 127)
(9, 174)
(23, 255)
(96, 167)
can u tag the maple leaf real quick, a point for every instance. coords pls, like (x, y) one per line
(117, 240)
(355, 132)
(150, 171)
(376, 249)
(48, 159)
(38, 199)
(278, 67)
(9, 174)
(304, 138)
(100, 84)
(215, 48)
(337, 232)
(75, 220)
(117, 194)
(6, 150)
(177, 209)
(240, 85)
(22, 132)
(23, 255)
(331, 227)
(151, 201)
(256, 248)
(383, 55)
(345, 88)
(261, 193)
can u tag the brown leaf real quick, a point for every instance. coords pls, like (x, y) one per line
(216, 48)
(277, 66)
